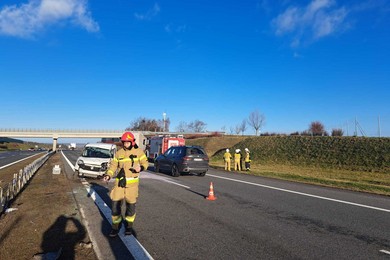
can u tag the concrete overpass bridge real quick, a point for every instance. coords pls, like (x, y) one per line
(55, 134)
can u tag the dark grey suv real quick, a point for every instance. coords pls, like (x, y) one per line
(180, 159)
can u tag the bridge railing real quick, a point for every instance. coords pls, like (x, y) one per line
(60, 130)
(13, 188)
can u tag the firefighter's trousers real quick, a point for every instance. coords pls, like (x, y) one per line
(248, 165)
(237, 165)
(227, 165)
(129, 194)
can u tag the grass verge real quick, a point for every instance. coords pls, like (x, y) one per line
(376, 183)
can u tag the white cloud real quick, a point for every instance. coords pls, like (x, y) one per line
(149, 14)
(318, 19)
(170, 28)
(26, 20)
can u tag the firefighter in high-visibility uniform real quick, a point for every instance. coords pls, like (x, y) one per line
(126, 166)
(227, 158)
(237, 160)
(247, 159)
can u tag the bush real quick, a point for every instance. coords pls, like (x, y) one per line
(337, 132)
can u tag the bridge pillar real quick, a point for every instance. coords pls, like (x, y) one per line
(54, 144)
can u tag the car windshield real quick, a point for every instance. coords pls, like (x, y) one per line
(96, 152)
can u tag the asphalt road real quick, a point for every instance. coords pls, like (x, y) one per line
(7, 158)
(252, 218)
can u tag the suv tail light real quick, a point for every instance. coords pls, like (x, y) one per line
(186, 158)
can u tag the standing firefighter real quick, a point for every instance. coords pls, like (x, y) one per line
(227, 158)
(241, 157)
(127, 164)
(247, 159)
(237, 160)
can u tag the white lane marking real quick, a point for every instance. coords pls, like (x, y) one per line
(181, 185)
(131, 243)
(66, 158)
(18, 161)
(148, 175)
(384, 251)
(303, 194)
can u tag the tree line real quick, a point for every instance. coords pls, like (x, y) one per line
(255, 120)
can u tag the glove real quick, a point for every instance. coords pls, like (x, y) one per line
(121, 178)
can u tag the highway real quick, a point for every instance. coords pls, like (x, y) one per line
(13, 157)
(252, 218)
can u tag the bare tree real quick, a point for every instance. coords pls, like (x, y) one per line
(197, 126)
(164, 125)
(231, 129)
(243, 126)
(237, 129)
(144, 124)
(256, 120)
(316, 128)
(182, 127)
(337, 132)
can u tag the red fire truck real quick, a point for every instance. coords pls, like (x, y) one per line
(159, 144)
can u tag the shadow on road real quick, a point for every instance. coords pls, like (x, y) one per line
(61, 238)
(118, 248)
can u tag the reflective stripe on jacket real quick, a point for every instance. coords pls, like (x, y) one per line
(128, 159)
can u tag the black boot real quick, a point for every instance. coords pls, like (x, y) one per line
(113, 233)
(115, 229)
(128, 231)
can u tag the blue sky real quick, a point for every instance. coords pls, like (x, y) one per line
(78, 64)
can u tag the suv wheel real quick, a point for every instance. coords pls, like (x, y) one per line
(175, 171)
(202, 174)
(156, 167)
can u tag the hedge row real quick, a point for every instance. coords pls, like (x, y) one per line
(350, 153)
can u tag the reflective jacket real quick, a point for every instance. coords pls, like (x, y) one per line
(247, 157)
(227, 156)
(127, 160)
(237, 157)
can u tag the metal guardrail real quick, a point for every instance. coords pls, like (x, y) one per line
(10, 191)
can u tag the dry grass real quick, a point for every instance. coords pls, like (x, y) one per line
(377, 183)
(47, 219)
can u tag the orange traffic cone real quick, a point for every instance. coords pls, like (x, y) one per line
(211, 193)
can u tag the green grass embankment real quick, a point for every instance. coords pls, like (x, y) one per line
(361, 164)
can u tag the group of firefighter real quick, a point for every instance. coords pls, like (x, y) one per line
(126, 166)
(238, 157)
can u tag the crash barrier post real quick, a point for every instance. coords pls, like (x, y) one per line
(10, 191)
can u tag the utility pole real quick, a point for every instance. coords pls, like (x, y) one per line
(164, 118)
(379, 126)
(355, 126)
